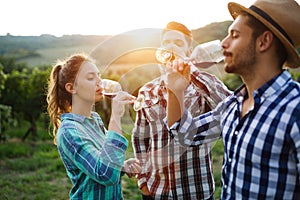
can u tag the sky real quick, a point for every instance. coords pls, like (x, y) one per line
(106, 17)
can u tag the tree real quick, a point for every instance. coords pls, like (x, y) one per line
(25, 92)
(6, 121)
(2, 79)
(5, 111)
(9, 64)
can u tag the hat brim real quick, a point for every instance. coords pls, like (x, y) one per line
(293, 58)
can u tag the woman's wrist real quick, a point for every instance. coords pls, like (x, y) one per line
(115, 124)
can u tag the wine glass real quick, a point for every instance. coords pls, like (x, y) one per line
(111, 88)
(139, 103)
(204, 55)
(163, 55)
(207, 54)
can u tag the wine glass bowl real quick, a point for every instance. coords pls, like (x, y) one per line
(139, 103)
(206, 54)
(110, 87)
(163, 55)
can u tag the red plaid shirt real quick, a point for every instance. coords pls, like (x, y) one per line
(170, 170)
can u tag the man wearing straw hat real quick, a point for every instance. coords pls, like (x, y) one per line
(260, 121)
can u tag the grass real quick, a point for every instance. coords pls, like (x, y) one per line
(32, 170)
(217, 154)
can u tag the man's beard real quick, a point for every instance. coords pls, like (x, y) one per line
(242, 61)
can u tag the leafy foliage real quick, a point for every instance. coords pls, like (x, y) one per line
(232, 81)
(9, 64)
(2, 79)
(25, 93)
(6, 121)
(295, 75)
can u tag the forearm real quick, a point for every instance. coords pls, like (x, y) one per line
(115, 124)
(175, 107)
(118, 109)
(177, 83)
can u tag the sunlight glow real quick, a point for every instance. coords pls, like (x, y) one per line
(96, 17)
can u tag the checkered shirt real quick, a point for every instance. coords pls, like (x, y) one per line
(170, 170)
(262, 149)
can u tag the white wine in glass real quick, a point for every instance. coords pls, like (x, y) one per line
(163, 55)
(110, 87)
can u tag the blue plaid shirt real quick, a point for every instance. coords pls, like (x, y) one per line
(93, 157)
(262, 149)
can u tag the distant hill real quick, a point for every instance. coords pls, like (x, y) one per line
(45, 49)
(10, 44)
(213, 31)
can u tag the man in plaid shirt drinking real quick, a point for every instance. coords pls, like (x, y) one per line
(170, 171)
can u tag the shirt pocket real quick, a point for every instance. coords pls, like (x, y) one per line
(155, 111)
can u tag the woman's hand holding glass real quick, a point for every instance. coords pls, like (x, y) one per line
(121, 99)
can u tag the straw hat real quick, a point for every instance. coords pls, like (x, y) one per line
(282, 17)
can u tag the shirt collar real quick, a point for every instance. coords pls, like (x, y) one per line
(274, 85)
(76, 117)
(269, 88)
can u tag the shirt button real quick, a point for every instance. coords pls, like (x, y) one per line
(236, 132)
(229, 159)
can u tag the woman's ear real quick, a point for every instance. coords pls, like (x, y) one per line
(70, 88)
